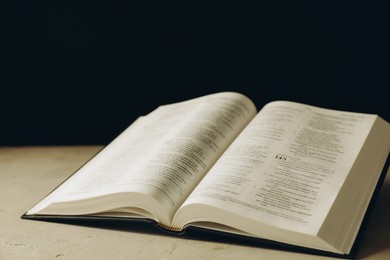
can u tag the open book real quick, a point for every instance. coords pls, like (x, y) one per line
(291, 173)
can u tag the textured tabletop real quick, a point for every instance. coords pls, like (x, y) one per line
(27, 174)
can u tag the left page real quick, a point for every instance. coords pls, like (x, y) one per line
(153, 165)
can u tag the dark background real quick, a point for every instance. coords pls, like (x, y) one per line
(80, 72)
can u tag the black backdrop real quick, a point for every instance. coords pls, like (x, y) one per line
(80, 72)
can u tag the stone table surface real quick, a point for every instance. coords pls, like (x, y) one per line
(27, 174)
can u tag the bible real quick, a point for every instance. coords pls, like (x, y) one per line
(289, 173)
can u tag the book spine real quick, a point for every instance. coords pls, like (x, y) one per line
(170, 229)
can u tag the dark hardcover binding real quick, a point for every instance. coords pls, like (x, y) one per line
(196, 233)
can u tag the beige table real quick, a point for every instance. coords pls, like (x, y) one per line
(28, 174)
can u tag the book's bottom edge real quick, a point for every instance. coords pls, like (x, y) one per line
(149, 226)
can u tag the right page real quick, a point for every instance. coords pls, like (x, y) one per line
(281, 176)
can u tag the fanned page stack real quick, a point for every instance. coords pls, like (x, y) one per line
(291, 173)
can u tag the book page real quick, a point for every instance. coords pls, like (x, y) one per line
(164, 154)
(285, 169)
